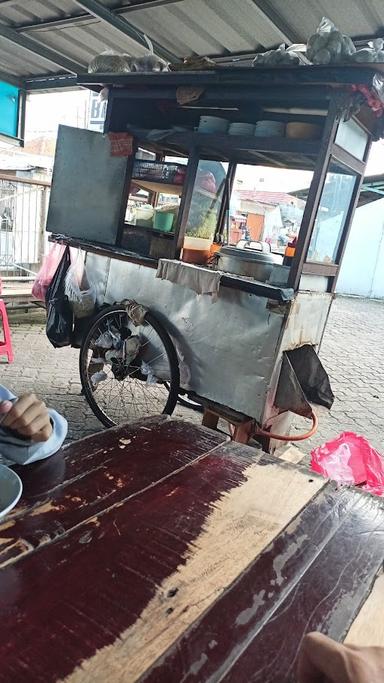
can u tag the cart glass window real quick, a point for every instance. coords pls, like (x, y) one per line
(332, 214)
(267, 204)
(206, 200)
(353, 138)
(155, 194)
(153, 204)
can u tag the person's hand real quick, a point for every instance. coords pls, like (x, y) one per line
(27, 416)
(322, 660)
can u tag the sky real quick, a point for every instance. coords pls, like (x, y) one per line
(46, 111)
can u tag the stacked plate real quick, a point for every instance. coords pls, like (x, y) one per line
(270, 129)
(238, 128)
(263, 129)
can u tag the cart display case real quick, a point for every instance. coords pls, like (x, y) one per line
(129, 214)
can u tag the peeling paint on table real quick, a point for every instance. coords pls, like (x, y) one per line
(179, 557)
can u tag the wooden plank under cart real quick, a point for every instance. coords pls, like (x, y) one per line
(161, 552)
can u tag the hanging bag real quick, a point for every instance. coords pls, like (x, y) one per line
(44, 276)
(59, 312)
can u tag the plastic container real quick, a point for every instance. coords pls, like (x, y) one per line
(196, 250)
(300, 130)
(290, 252)
(163, 221)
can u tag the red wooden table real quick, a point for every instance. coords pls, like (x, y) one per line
(159, 552)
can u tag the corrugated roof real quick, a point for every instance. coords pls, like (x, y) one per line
(214, 27)
(183, 27)
(86, 40)
(265, 197)
(24, 162)
(18, 62)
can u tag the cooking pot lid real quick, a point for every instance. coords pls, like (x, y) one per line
(248, 254)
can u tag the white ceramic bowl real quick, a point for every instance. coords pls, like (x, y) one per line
(10, 489)
(213, 124)
(238, 128)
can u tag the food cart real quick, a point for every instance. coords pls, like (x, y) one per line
(148, 200)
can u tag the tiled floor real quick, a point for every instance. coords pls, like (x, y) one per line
(352, 353)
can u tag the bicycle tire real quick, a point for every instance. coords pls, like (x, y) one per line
(88, 391)
(189, 403)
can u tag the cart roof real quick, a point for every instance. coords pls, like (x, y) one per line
(40, 41)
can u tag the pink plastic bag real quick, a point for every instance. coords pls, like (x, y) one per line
(350, 459)
(47, 271)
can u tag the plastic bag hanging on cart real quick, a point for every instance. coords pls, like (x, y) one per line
(80, 291)
(59, 313)
(49, 266)
(302, 381)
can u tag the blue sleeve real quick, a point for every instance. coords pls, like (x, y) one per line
(24, 452)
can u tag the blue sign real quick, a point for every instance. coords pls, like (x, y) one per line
(9, 109)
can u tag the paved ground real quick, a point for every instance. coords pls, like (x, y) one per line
(352, 353)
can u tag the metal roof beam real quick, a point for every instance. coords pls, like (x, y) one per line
(277, 22)
(372, 188)
(98, 10)
(52, 82)
(41, 50)
(8, 3)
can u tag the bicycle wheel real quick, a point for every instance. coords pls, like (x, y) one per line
(127, 371)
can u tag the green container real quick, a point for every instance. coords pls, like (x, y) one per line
(163, 221)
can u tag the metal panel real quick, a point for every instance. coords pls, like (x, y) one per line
(19, 62)
(353, 17)
(20, 12)
(84, 168)
(30, 45)
(306, 322)
(120, 23)
(227, 350)
(86, 41)
(212, 28)
(307, 319)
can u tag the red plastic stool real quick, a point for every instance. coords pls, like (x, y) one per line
(6, 345)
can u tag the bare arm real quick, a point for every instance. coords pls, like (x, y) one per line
(322, 660)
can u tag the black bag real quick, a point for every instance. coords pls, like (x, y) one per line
(59, 312)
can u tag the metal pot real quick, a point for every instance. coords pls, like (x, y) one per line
(248, 262)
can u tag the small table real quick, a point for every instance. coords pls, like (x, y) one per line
(160, 552)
